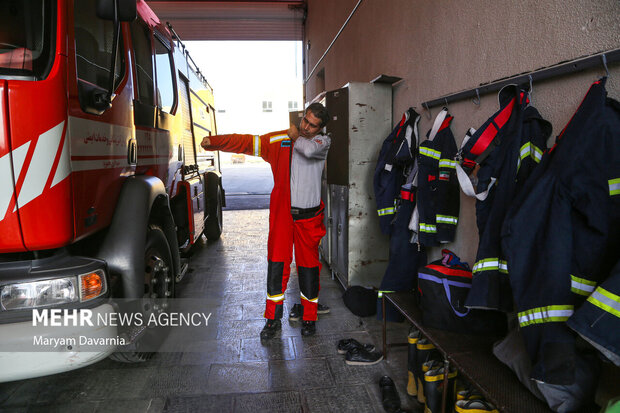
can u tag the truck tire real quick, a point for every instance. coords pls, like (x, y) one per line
(159, 283)
(214, 223)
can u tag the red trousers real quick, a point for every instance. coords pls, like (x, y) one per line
(305, 234)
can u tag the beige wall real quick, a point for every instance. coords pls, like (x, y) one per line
(443, 46)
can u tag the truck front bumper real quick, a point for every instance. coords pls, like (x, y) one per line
(31, 351)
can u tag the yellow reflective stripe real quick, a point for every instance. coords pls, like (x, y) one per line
(303, 297)
(491, 264)
(278, 138)
(380, 293)
(548, 314)
(531, 150)
(430, 152)
(412, 340)
(524, 152)
(447, 163)
(537, 153)
(428, 228)
(256, 145)
(614, 186)
(446, 219)
(277, 297)
(581, 286)
(606, 301)
(421, 346)
(386, 211)
(431, 377)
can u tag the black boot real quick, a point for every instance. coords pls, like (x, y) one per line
(425, 351)
(433, 389)
(412, 339)
(308, 328)
(270, 329)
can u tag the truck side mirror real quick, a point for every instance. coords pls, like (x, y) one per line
(126, 10)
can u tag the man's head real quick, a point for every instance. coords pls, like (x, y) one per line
(315, 118)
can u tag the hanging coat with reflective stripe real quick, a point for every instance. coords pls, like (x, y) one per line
(562, 234)
(398, 152)
(518, 135)
(438, 188)
(598, 319)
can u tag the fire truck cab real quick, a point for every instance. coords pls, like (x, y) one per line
(103, 184)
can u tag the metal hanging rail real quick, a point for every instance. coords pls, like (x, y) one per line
(561, 69)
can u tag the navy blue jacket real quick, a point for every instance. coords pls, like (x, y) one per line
(438, 188)
(562, 234)
(519, 138)
(398, 152)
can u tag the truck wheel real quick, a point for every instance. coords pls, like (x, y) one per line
(158, 289)
(214, 223)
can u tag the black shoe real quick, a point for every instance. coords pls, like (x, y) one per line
(347, 344)
(308, 328)
(270, 329)
(322, 309)
(389, 395)
(360, 357)
(296, 312)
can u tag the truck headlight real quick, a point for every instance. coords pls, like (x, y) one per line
(55, 291)
(39, 293)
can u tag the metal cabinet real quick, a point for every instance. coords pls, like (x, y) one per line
(354, 247)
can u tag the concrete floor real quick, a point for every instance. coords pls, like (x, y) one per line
(228, 369)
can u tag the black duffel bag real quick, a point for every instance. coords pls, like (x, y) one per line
(444, 285)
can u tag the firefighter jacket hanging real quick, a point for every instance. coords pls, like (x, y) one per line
(395, 193)
(562, 237)
(507, 147)
(438, 189)
(295, 169)
(396, 157)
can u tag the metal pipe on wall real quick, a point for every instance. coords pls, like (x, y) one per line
(333, 41)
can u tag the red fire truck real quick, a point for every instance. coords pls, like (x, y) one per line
(103, 184)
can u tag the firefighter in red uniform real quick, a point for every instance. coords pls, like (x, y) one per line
(296, 214)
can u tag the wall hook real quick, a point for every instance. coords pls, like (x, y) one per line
(446, 101)
(425, 105)
(529, 92)
(605, 64)
(476, 100)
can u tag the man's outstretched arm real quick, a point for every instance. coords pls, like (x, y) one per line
(238, 143)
